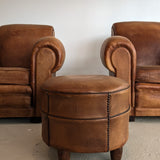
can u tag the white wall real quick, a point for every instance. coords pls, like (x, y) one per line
(82, 25)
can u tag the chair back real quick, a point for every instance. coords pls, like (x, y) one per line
(145, 36)
(17, 41)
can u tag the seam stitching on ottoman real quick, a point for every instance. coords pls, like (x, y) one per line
(48, 123)
(63, 92)
(119, 114)
(108, 116)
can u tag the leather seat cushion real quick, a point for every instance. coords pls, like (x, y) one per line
(84, 84)
(14, 75)
(15, 95)
(150, 74)
(147, 95)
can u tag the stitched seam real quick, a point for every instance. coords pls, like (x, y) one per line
(45, 90)
(121, 113)
(48, 123)
(87, 118)
(106, 124)
(108, 118)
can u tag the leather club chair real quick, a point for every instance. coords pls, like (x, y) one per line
(133, 54)
(29, 54)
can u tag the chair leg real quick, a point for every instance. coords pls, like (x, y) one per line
(116, 154)
(35, 120)
(132, 118)
(63, 155)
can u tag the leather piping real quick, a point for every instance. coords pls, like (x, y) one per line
(121, 113)
(147, 82)
(88, 118)
(108, 118)
(85, 92)
(48, 123)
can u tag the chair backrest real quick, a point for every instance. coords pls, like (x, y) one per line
(17, 41)
(145, 36)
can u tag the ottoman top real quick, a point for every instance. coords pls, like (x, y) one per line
(84, 84)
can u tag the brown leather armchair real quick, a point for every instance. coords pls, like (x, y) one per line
(133, 54)
(29, 54)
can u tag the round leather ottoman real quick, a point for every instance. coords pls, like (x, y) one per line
(85, 114)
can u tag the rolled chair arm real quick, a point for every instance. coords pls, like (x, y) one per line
(53, 44)
(47, 58)
(119, 56)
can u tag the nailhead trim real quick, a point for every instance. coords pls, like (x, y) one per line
(108, 118)
(48, 124)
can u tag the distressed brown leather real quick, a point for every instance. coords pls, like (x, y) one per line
(119, 56)
(147, 95)
(15, 100)
(148, 74)
(85, 113)
(147, 99)
(84, 84)
(15, 96)
(145, 36)
(28, 56)
(17, 41)
(47, 58)
(14, 75)
(15, 89)
(141, 40)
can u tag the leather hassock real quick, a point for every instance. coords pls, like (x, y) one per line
(85, 113)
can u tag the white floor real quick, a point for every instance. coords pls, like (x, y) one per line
(21, 140)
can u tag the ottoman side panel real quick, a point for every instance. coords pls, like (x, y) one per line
(78, 106)
(45, 102)
(118, 134)
(45, 120)
(78, 135)
(45, 128)
(119, 102)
